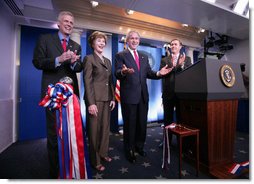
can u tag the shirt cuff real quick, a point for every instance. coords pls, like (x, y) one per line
(57, 63)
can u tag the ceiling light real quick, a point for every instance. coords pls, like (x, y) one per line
(201, 30)
(123, 39)
(94, 3)
(129, 12)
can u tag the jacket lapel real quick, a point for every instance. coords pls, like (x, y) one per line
(131, 59)
(98, 60)
(70, 45)
(58, 43)
(141, 61)
(107, 63)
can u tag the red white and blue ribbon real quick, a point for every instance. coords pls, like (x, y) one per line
(166, 149)
(238, 168)
(71, 148)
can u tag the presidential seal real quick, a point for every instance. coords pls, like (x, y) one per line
(227, 75)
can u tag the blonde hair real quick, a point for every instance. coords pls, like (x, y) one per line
(95, 35)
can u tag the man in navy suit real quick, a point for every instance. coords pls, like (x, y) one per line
(57, 56)
(132, 69)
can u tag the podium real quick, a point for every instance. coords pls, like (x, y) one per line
(210, 105)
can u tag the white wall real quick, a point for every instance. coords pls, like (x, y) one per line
(7, 49)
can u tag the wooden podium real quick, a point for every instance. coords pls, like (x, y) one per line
(210, 105)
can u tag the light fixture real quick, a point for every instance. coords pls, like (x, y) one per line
(200, 30)
(123, 39)
(185, 25)
(166, 45)
(94, 3)
(129, 12)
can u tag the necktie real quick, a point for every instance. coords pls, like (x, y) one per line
(174, 60)
(136, 59)
(64, 44)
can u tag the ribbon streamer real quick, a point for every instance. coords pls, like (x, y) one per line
(71, 149)
(166, 149)
(236, 169)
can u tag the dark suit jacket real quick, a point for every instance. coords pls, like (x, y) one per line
(98, 79)
(47, 49)
(168, 82)
(133, 85)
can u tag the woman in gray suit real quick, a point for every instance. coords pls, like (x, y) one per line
(99, 99)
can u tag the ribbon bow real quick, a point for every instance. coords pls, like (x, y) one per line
(57, 96)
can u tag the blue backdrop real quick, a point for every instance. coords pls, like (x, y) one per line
(32, 121)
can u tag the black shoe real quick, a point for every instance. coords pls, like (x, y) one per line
(130, 155)
(142, 153)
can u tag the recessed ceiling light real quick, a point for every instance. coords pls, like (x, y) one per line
(129, 12)
(94, 3)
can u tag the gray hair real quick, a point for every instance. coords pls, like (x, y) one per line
(129, 34)
(62, 13)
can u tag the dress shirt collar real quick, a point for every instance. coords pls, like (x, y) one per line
(132, 52)
(61, 37)
(177, 55)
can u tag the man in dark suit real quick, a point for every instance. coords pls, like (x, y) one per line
(132, 69)
(179, 62)
(57, 56)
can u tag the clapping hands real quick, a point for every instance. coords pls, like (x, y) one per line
(69, 55)
(182, 59)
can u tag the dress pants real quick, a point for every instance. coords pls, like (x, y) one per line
(168, 106)
(98, 133)
(52, 144)
(134, 126)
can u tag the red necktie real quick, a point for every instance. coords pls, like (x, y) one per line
(136, 59)
(64, 44)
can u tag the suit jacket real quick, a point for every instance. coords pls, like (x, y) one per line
(47, 49)
(98, 79)
(168, 82)
(133, 86)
